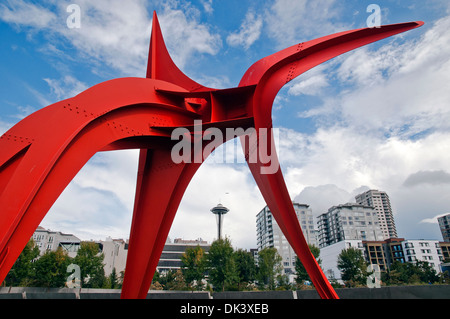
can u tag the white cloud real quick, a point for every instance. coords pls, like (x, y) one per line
(66, 87)
(20, 12)
(249, 32)
(399, 88)
(185, 36)
(4, 127)
(207, 6)
(433, 220)
(99, 200)
(115, 34)
(312, 82)
(290, 22)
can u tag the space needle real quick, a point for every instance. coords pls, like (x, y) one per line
(219, 211)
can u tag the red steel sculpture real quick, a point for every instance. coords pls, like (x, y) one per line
(41, 154)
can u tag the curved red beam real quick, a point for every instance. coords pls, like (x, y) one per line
(42, 153)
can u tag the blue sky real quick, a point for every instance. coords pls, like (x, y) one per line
(377, 117)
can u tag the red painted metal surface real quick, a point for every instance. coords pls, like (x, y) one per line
(41, 154)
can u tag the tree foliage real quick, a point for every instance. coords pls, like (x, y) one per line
(245, 267)
(170, 280)
(352, 266)
(222, 267)
(22, 272)
(221, 264)
(194, 266)
(410, 273)
(50, 269)
(269, 267)
(90, 261)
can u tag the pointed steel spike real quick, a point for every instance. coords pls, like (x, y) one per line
(160, 65)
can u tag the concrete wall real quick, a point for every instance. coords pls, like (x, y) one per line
(393, 292)
(77, 293)
(401, 292)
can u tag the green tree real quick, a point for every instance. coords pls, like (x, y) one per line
(419, 272)
(170, 280)
(269, 267)
(300, 270)
(193, 266)
(177, 281)
(245, 267)
(22, 272)
(221, 264)
(90, 261)
(112, 281)
(51, 269)
(352, 266)
(426, 272)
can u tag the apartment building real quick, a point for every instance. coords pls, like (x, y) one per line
(385, 253)
(269, 234)
(115, 253)
(445, 248)
(424, 250)
(444, 225)
(48, 240)
(348, 222)
(381, 203)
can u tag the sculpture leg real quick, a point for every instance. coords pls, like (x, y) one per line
(160, 188)
(27, 197)
(274, 190)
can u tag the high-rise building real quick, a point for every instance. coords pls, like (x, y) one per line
(269, 234)
(380, 202)
(444, 225)
(348, 222)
